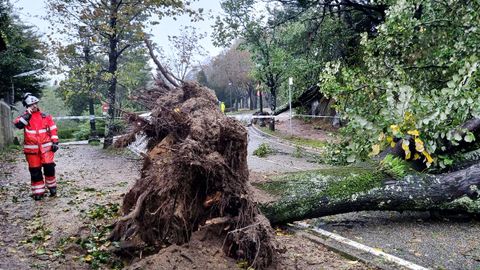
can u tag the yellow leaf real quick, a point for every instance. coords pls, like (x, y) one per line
(395, 129)
(381, 136)
(88, 258)
(392, 144)
(419, 145)
(413, 132)
(389, 139)
(405, 145)
(416, 156)
(375, 150)
(428, 157)
(406, 148)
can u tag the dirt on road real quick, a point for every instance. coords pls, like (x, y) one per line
(71, 230)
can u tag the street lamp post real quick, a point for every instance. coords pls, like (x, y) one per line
(290, 83)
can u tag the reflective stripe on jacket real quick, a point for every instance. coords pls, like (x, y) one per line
(40, 132)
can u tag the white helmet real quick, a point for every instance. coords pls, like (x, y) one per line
(29, 99)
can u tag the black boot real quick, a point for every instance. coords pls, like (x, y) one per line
(37, 197)
(53, 192)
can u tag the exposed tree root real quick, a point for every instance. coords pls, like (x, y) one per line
(196, 170)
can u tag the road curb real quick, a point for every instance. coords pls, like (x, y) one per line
(354, 250)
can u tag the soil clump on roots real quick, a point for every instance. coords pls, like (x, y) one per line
(194, 177)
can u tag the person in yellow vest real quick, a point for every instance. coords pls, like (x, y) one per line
(222, 107)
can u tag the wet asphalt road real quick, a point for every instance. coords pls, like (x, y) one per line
(432, 242)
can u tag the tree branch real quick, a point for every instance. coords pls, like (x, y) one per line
(160, 67)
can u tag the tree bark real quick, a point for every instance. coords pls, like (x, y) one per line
(112, 69)
(160, 67)
(306, 195)
(251, 96)
(93, 130)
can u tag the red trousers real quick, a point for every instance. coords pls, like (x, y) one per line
(35, 164)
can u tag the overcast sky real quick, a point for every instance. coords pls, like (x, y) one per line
(31, 12)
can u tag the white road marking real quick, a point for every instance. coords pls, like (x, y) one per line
(356, 245)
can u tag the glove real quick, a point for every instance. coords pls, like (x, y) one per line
(27, 116)
(55, 147)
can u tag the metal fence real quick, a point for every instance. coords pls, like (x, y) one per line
(6, 130)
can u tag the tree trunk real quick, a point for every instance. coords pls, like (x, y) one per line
(251, 96)
(273, 106)
(112, 69)
(334, 191)
(261, 101)
(93, 130)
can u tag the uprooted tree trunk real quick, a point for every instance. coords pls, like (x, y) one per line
(307, 97)
(334, 191)
(195, 173)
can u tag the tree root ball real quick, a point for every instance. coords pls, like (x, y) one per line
(194, 174)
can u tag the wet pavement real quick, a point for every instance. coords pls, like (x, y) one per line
(432, 242)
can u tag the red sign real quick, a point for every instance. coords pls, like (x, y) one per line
(105, 108)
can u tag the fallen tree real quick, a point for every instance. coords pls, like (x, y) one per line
(195, 173)
(334, 191)
(306, 98)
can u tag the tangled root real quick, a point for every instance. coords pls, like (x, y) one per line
(195, 173)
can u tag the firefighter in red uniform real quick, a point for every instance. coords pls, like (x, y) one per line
(40, 144)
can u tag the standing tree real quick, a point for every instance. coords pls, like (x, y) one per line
(230, 75)
(259, 39)
(184, 49)
(21, 52)
(116, 25)
(134, 74)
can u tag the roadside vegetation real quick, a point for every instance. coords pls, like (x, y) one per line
(263, 150)
(297, 141)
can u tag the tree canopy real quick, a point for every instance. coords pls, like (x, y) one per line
(115, 27)
(401, 71)
(22, 52)
(418, 80)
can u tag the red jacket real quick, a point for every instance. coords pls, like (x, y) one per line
(40, 132)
